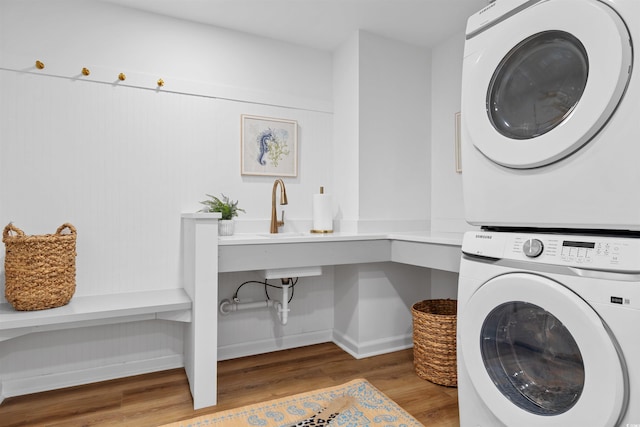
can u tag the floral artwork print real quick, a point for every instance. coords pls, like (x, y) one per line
(269, 146)
(274, 143)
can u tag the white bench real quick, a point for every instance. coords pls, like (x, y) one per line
(191, 305)
(169, 304)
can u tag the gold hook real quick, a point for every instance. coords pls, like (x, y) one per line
(160, 82)
(39, 65)
(122, 77)
(85, 71)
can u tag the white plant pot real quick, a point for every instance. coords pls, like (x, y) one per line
(226, 227)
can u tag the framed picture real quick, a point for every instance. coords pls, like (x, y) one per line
(457, 143)
(269, 146)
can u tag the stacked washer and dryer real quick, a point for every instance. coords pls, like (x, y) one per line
(549, 289)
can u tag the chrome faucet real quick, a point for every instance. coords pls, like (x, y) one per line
(283, 201)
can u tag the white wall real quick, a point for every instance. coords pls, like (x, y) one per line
(447, 208)
(121, 161)
(373, 306)
(381, 133)
(346, 136)
(394, 139)
(253, 331)
(447, 205)
(381, 117)
(108, 39)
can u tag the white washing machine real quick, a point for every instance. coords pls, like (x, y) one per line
(551, 115)
(548, 330)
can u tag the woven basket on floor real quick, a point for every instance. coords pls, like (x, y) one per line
(40, 271)
(434, 341)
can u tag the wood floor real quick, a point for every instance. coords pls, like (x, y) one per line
(163, 397)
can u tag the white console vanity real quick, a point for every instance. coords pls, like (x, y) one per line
(249, 252)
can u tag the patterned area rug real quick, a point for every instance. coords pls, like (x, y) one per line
(354, 404)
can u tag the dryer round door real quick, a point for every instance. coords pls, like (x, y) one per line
(544, 82)
(538, 355)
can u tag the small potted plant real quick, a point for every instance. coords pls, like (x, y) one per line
(227, 207)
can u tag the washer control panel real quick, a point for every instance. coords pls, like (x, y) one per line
(593, 252)
(532, 247)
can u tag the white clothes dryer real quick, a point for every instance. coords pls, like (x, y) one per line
(551, 115)
(548, 330)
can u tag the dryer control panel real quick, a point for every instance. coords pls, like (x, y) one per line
(590, 252)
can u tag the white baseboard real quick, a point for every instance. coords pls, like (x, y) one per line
(233, 351)
(373, 347)
(38, 383)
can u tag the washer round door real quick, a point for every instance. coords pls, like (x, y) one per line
(543, 82)
(538, 355)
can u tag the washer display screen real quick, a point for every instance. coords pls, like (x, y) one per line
(532, 358)
(537, 85)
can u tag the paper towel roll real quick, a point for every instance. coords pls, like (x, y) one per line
(322, 217)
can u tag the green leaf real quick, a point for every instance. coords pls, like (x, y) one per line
(228, 208)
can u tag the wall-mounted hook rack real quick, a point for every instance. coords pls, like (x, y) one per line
(122, 77)
(85, 71)
(39, 65)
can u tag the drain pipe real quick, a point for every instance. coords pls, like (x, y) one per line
(282, 308)
(227, 307)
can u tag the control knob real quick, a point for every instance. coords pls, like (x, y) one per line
(532, 248)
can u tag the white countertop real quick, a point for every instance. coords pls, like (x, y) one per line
(443, 238)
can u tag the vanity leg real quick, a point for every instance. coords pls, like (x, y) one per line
(200, 270)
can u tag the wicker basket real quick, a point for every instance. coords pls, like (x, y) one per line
(40, 271)
(434, 341)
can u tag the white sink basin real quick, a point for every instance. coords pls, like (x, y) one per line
(285, 273)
